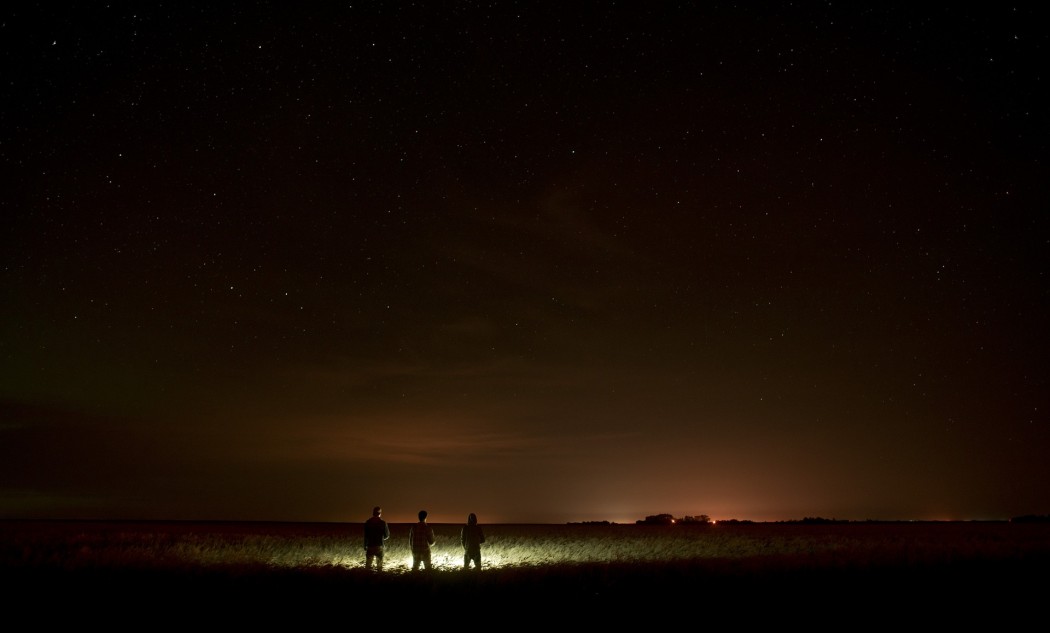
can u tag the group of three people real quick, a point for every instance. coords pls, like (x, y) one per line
(421, 538)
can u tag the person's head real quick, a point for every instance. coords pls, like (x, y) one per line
(422, 515)
(376, 511)
(472, 519)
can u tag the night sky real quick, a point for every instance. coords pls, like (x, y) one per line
(544, 262)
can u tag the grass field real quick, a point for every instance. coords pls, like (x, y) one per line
(265, 572)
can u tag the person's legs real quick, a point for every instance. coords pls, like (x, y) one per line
(374, 553)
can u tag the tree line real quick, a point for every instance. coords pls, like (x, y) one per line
(669, 519)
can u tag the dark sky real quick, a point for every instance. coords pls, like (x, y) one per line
(544, 262)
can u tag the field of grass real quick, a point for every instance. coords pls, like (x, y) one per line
(938, 571)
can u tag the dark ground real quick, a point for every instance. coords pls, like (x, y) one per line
(697, 595)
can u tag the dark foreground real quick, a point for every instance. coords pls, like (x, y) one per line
(740, 594)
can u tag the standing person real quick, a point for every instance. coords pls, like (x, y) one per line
(376, 534)
(471, 536)
(421, 537)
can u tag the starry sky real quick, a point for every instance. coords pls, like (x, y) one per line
(544, 262)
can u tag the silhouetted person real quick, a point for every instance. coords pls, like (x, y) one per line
(376, 534)
(471, 536)
(421, 537)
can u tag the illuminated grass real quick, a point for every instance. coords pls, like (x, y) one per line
(297, 546)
